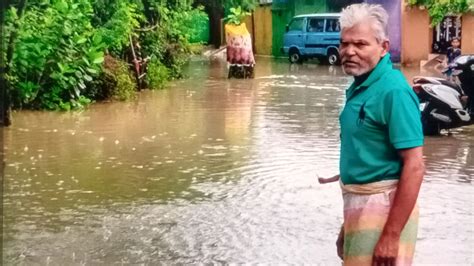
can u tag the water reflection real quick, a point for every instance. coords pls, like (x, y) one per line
(209, 171)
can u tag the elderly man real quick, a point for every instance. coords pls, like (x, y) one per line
(381, 163)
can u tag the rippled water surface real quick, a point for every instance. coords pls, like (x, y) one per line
(209, 171)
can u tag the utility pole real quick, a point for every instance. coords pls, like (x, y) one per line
(4, 97)
(2, 117)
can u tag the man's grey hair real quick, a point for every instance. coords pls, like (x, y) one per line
(357, 13)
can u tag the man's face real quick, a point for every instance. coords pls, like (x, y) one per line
(359, 49)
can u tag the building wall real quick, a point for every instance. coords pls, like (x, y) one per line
(310, 6)
(263, 30)
(281, 16)
(260, 29)
(415, 35)
(394, 32)
(467, 37)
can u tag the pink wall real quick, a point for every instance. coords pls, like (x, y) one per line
(416, 35)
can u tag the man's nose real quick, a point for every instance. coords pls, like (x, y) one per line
(349, 50)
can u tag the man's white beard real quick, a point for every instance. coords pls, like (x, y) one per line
(359, 72)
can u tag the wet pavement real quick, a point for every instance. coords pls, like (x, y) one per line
(209, 170)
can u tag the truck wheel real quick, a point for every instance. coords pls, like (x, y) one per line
(333, 57)
(295, 56)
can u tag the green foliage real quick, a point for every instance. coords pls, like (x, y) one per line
(438, 9)
(115, 82)
(245, 5)
(126, 86)
(116, 31)
(157, 75)
(236, 16)
(104, 86)
(58, 48)
(104, 10)
(198, 23)
(56, 53)
(168, 42)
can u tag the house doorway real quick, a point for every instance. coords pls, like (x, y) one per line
(444, 32)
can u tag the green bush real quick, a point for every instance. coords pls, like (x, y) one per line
(157, 75)
(115, 82)
(126, 87)
(58, 46)
(198, 23)
(56, 53)
(169, 41)
(117, 30)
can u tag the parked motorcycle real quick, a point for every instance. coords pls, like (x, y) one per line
(445, 104)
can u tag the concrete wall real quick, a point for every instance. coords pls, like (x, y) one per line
(416, 35)
(394, 32)
(263, 30)
(467, 42)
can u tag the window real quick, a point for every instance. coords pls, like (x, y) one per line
(296, 24)
(332, 25)
(316, 25)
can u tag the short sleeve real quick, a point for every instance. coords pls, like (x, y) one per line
(403, 119)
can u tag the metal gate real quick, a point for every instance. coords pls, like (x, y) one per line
(444, 32)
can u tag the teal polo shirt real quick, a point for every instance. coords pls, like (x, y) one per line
(380, 116)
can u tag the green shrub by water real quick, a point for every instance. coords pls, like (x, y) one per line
(57, 51)
(157, 75)
(115, 82)
(55, 48)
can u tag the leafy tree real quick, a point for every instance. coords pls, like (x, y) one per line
(438, 9)
(56, 53)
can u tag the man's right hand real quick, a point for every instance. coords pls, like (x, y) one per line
(340, 243)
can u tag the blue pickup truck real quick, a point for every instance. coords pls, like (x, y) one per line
(313, 35)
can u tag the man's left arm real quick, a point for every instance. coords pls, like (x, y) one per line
(405, 199)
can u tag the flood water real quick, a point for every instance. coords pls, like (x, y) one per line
(212, 171)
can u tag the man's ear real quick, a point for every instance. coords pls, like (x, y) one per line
(385, 47)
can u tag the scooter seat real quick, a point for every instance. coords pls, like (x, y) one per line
(436, 80)
(452, 85)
